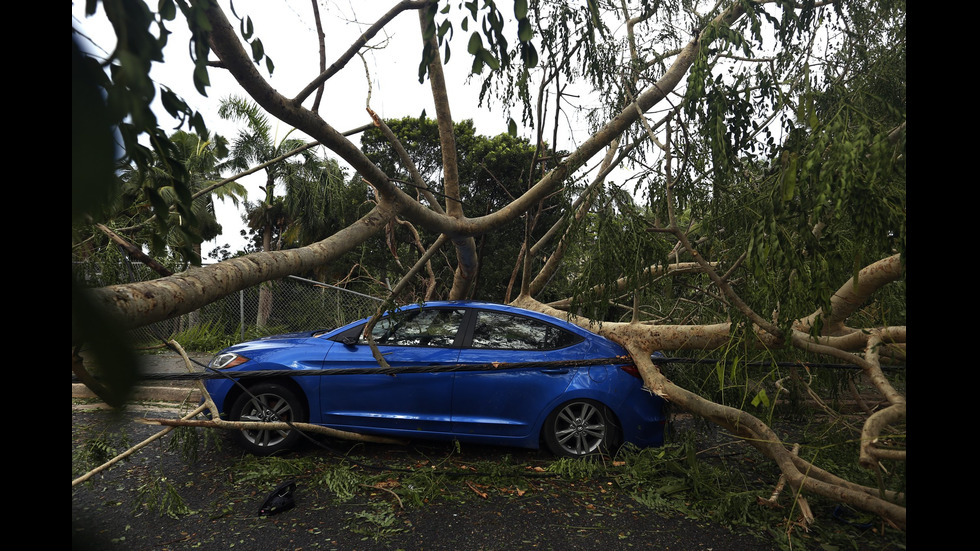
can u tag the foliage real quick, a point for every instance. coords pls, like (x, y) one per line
(268, 470)
(158, 495)
(190, 442)
(339, 479)
(212, 336)
(576, 468)
(377, 523)
(208, 336)
(97, 450)
(112, 104)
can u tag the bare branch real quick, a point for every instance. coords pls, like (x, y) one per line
(620, 284)
(551, 265)
(134, 449)
(356, 47)
(406, 161)
(323, 54)
(135, 252)
(399, 287)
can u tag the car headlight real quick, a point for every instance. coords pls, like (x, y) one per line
(227, 360)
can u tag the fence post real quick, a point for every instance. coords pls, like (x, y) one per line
(241, 311)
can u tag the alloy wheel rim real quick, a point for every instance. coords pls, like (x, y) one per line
(580, 428)
(269, 408)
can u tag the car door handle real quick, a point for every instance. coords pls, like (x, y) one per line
(555, 371)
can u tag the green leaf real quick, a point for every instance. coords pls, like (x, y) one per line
(524, 31)
(520, 9)
(761, 398)
(512, 127)
(247, 28)
(269, 65)
(789, 177)
(488, 58)
(445, 27)
(529, 55)
(475, 44)
(257, 50)
(171, 102)
(201, 80)
(720, 371)
(734, 369)
(167, 10)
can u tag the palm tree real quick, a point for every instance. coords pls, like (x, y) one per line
(196, 163)
(272, 216)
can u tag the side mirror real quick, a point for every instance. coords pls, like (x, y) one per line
(349, 341)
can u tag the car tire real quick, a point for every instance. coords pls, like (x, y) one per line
(580, 428)
(267, 402)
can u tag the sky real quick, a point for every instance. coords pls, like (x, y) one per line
(287, 31)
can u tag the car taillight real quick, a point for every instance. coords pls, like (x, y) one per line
(632, 370)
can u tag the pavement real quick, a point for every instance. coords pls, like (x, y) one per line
(159, 391)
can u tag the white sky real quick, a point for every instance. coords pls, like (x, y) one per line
(288, 35)
(287, 30)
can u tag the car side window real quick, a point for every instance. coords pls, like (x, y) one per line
(510, 332)
(430, 327)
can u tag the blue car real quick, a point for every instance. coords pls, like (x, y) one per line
(454, 379)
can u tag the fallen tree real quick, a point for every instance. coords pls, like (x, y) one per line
(767, 179)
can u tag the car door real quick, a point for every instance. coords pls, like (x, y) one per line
(509, 402)
(403, 401)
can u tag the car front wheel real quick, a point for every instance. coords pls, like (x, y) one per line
(579, 428)
(268, 402)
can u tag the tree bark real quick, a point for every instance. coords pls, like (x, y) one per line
(137, 304)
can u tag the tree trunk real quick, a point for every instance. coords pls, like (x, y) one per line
(265, 290)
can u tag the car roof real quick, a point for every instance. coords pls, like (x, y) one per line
(482, 306)
(493, 306)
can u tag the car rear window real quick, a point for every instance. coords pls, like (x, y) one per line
(510, 332)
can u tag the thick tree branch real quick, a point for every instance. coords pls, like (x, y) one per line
(138, 304)
(870, 452)
(761, 437)
(466, 260)
(854, 294)
(257, 425)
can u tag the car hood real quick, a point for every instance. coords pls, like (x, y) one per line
(258, 348)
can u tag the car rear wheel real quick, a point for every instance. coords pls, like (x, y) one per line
(268, 402)
(579, 428)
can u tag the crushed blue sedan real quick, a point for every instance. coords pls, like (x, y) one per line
(467, 371)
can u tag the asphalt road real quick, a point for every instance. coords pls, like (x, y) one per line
(462, 510)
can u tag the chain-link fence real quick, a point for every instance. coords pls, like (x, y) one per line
(290, 304)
